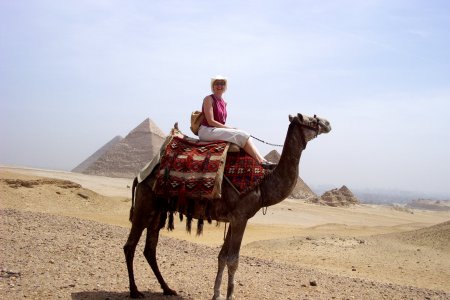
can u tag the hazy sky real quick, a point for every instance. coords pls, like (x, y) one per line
(74, 74)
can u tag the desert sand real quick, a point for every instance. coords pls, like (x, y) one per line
(62, 235)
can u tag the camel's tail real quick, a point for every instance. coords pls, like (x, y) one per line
(133, 188)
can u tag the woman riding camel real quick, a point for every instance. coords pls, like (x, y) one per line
(213, 126)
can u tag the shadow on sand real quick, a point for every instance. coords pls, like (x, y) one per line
(105, 295)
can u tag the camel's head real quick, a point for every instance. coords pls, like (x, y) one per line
(313, 125)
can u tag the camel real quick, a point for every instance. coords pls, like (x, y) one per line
(150, 212)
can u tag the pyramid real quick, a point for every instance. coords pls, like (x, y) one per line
(336, 197)
(127, 157)
(301, 189)
(273, 156)
(91, 159)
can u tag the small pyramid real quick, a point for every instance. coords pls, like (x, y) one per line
(97, 154)
(301, 189)
(336, 197)
(127, 157)
(346, 192)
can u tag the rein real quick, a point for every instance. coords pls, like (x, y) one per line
(276, 145)
(314, 125)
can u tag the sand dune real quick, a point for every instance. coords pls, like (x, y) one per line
(392, 254)
(434, 237)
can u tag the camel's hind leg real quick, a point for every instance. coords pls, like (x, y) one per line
(150, 255)
(222, 262)
(130, 249)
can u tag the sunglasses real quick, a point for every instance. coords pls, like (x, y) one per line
(219, 83)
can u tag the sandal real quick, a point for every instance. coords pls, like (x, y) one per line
(268, 165)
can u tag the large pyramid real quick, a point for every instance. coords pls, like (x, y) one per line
(301, 189)
(94, 157)
(129, 155)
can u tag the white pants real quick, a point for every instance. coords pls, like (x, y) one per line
(235, 136)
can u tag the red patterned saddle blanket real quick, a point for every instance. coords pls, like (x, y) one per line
(194, 169)
(243, 171)
(191, 169)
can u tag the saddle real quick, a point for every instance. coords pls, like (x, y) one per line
(190, 168)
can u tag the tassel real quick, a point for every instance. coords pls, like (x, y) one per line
(189, 224)
(208, 211)
(189, 213)
(162, 219)
(170, 225)
(199, 227)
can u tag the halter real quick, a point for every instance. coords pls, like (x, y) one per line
(313, 125)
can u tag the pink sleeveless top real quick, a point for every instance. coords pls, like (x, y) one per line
(219, 109)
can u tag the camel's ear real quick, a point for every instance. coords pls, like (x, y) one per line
(300, 116)
(291, 118)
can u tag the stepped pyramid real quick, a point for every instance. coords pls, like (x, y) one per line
(336, 197)
(129, 155)
(301, 189)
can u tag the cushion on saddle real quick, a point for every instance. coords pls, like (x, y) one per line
(190, 168)
(243, 171)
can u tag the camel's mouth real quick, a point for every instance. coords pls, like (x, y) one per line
(324, 125)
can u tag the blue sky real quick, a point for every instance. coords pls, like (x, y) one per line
(74, 74)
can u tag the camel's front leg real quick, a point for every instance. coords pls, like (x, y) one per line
(222, 260)
(150, 255)
(237, 233)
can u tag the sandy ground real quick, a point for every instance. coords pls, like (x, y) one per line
(64, 240)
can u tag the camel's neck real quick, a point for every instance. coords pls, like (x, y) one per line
(284, 178)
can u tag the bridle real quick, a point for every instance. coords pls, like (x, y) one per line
(311, 125)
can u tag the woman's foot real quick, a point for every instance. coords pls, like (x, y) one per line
(268, 165)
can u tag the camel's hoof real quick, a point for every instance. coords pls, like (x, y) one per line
(220, 297)
(170, 292)
(136, 294)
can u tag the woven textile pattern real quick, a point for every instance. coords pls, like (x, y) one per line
(193, 170)
(243, 171)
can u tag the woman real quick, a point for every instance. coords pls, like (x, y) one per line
(213, 127)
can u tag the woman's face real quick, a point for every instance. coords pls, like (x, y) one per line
(219, 86)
